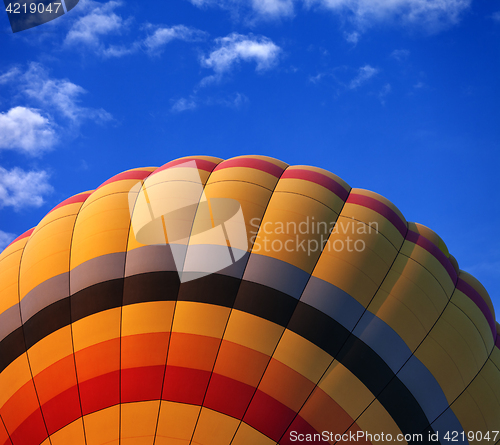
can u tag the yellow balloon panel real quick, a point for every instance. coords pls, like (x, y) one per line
(200, 319)
(302, 356)
(138, 422)
(355, 259)
(103, 427)
(71, 434)
(286, 230)
(431, 263)
(14, 377)
(410, 300)
(176, 423)
(246, 435)
(96, 328)
(346, 389)
(101, 228)
(447, 352)
(376, 420)
(214, 428)
(47, 253)
(144, 318)
(253, 332)
(485, 395)
(9, 280)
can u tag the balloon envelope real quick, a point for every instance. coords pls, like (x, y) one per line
(242, 301)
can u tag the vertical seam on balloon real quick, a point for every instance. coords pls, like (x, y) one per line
(210, 376)
(482, 366)
(1, 417)
(231, 309)
(298, 300)
(413, 352)
(6, 430)
(71, 316)
(24, 338)
(121, 316)
(173, 316)
(354, 327)
(227, 321)
(474, 324)
(465, 389)
(420, 344)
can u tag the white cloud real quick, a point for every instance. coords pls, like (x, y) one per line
(20, 188)
(364, 74)
(235, 100)
(5, 239)
(9, 76)
(386, 89)
(100, 20)
(264, 9)
(433, 13)
(273, 8)
(400, 54)
(236, 48)
(27, 130)
(352, 37)
(429, 13)
(184, 104)
(119, 50)
(60, 95)
(317, 77)
(164, 35)
(155, 42)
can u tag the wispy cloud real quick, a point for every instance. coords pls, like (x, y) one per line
(56, 95)
(365, 73)
(400, 54)
(433, 14)
(193, 102)
(5, 239)
(273, 8)
(352, 37)
(98, 21)
(386, 89)
(161, 36)
(236, 48)
(496, 16)
(157, 38)
(20, 188)
(317, 78)
(263, 9)
(26, 130)
(42, 110)
(184, 104)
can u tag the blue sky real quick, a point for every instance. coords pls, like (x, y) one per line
(397, 96)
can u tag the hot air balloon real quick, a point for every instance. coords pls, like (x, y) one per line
(242, 302)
